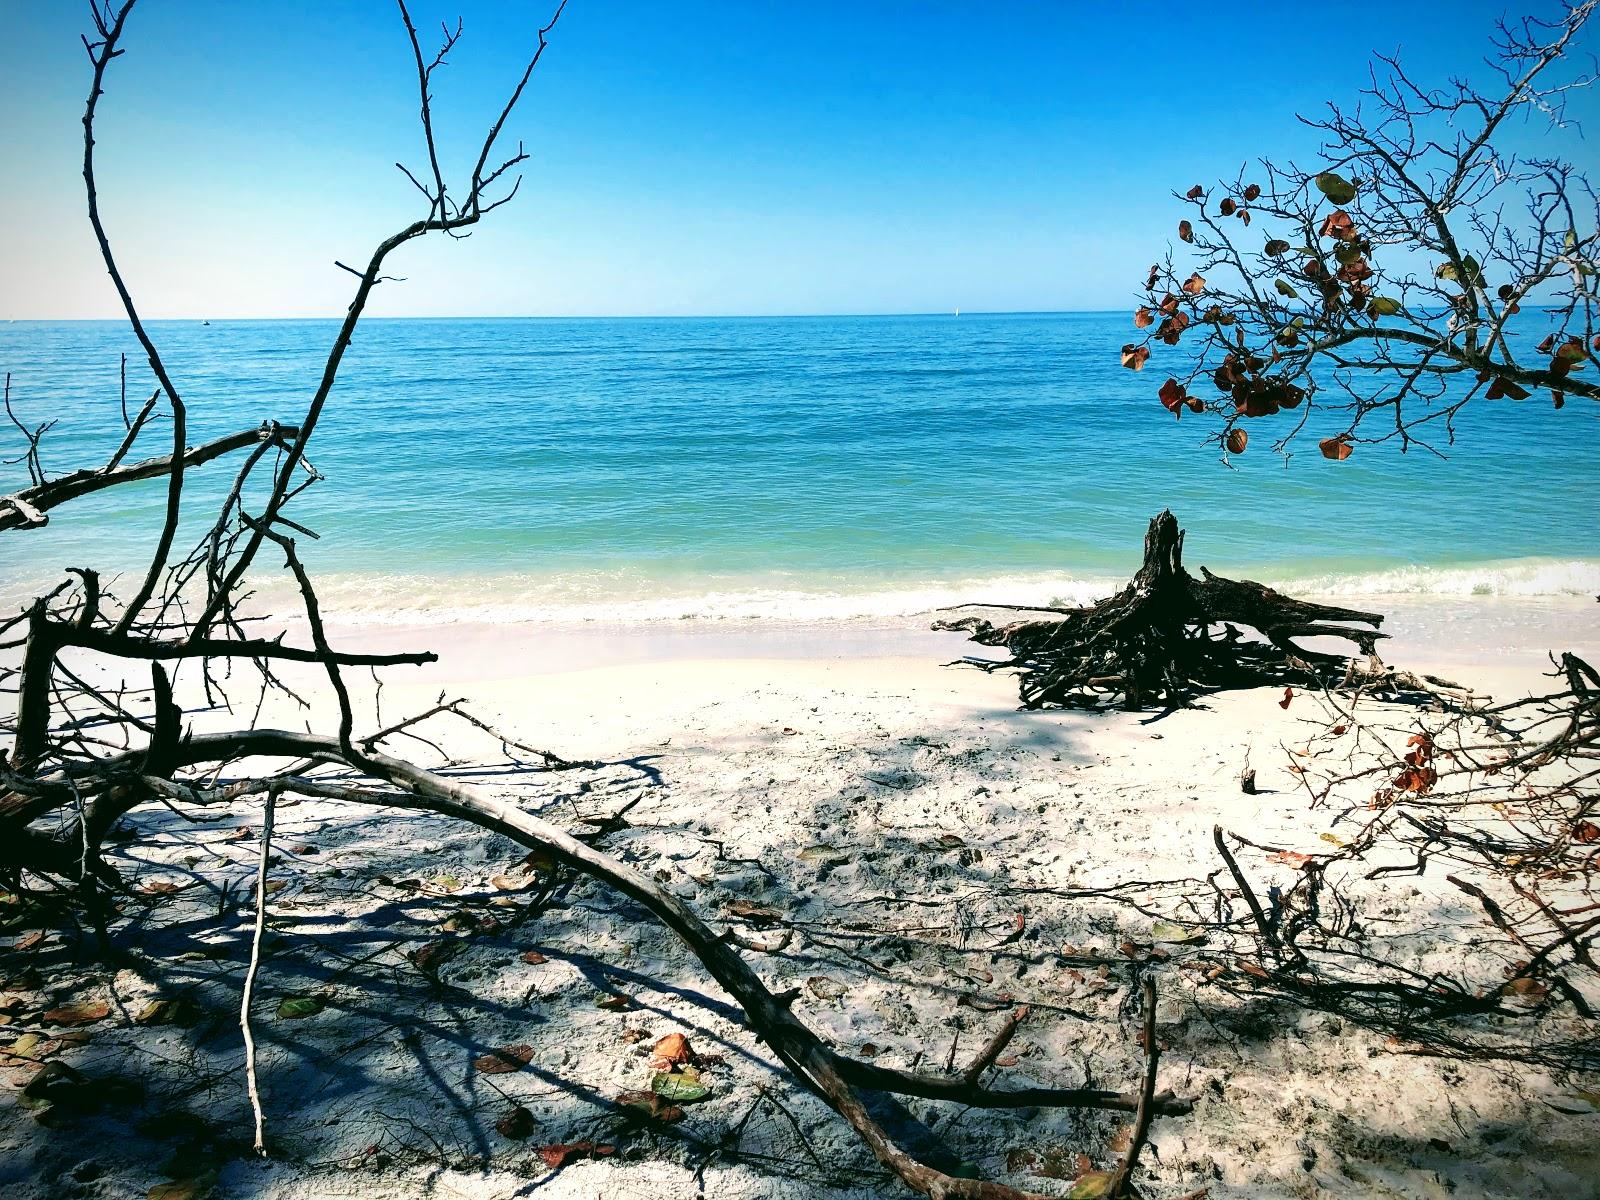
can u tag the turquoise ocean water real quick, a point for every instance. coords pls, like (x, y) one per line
(799, 467)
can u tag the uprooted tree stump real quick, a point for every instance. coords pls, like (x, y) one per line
(1168, 638)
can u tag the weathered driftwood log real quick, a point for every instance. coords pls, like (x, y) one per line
(1167, 637)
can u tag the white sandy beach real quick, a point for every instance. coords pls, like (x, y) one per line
(905, 821)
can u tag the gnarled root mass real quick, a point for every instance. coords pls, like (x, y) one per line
(1168, 638)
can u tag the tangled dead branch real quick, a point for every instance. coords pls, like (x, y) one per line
(1494, 810)
(1168, 638)
(90, 741)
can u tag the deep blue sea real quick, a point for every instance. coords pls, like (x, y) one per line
(810, 467)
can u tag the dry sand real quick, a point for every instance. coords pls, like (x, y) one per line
(900, 815)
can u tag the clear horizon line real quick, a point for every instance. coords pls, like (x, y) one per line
(774, 316)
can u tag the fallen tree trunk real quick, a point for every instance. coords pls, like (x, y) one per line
(1168, 638)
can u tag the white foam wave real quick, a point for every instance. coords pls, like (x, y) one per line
(398, 600)
(1523, 577)
(415, 603)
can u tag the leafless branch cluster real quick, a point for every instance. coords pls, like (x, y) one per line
(1494, 807)
(1419, 266)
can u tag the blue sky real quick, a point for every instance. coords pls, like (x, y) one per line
(713, 158)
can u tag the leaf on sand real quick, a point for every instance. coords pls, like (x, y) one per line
(617, 1003)
(824, 988)
(517, 1124)
(85, 1012)
(752, 911)
(179, 1010)
(296, 1008)
(830, 856)
(430, 957)
(509, 883)
(29, 1046)
(672, 1050)
(1527, 988)
(461, 922)
(504, 1060)
(558, 1155)
(534, 957)
(680, 1087)
(1289, 858)
(1171, 931)
(1092, 1186)
(657, 1108)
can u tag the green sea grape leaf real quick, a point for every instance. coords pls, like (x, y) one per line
(1335, 187)
(296, 1007)
(679, 1087)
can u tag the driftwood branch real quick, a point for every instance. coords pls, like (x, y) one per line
(1168, 638)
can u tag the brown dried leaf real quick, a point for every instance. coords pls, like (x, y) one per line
(1335, 448)
(670, 1050)
(558, 1155)
(84, 1012)
(504, 1060)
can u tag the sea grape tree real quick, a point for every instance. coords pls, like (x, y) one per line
(1420, 263)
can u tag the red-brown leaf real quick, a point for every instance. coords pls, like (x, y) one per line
(1143, 318)
(672, 1049)
(1134, 357)
(1185, 231)
(504, 1060)
(1335, 448)
(558, 1155)
(85, 1012)
(1238, 439)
